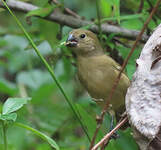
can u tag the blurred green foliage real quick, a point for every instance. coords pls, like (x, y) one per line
(23, 75)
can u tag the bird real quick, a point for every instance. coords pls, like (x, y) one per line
(97, 71)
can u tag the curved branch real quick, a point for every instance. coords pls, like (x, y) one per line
(75, 22)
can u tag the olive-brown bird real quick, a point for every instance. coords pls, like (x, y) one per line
(96, 71)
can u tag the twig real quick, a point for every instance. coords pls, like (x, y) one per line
(108, 135)
(151, 7)
(121, 43)
(141, 6)
(75, 22)
(67, 10)
(122, 69)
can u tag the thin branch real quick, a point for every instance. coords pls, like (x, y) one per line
(151, 7)
(141, 6)
(122, 69)
(67, 10)
(75, 22)
(108, 135)
(121, 43)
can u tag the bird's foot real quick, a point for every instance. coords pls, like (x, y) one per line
(115, 136)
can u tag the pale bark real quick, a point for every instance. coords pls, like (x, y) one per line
(143, 99)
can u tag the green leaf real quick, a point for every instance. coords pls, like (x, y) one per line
(125, 141)
(41, 12)
(122, 18)
(45, 116)
(132, 24)
(9, 117)
(131, 66)
(13, 104)
(88, 122)
(40, 134)
(117, 9)
(105, 8)
(2, 10)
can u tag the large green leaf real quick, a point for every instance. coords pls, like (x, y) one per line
(106, 8)
(132, 24)
(89, 122)
(125, 141)
(117, 9)
(13, 104)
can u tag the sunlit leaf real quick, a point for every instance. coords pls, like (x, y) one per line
(13, 104)
(117, 9)
(132, 24)
(110, 8)
(105, 8)
(8, 117)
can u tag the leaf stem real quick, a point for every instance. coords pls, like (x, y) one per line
(4, 129)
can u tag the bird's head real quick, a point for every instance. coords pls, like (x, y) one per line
(83, 42)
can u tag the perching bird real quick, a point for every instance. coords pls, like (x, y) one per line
(96, 71)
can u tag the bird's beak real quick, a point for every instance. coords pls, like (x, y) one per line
(71, 41)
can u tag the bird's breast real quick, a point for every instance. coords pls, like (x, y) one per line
(97, 76)
(92, 78)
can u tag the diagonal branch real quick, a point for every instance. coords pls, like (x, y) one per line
(73, 22)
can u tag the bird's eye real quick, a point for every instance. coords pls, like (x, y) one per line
(82, 36)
